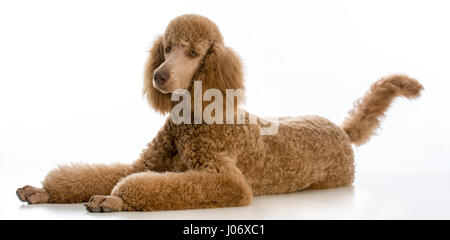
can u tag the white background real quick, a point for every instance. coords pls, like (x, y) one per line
(71, 78)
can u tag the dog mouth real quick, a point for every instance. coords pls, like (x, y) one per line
(160, 88)
(178, 91)
(165, 90)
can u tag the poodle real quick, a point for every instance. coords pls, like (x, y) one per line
(188, 166)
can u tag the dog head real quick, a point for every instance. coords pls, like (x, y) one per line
(191, 49)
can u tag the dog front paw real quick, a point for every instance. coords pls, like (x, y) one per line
(100, 203)
(32, 195)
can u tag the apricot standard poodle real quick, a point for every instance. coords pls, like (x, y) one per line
(218, 165)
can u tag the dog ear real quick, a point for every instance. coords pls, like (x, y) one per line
(159, 101)
(222, 70)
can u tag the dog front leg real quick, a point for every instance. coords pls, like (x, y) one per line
(76, 183)
(151, 191)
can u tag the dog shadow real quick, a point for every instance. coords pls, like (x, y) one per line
(336, 203)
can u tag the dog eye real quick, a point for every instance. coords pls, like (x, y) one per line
(168, 49)
(193, 53)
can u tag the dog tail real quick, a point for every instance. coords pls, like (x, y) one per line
(365, 118)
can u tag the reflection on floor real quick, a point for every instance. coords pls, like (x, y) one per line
(371, 197)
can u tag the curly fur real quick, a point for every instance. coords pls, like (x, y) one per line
(221, 69)
(365, 118)
(207, 166)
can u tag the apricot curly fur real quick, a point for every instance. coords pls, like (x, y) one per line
(221, 165)
(365, 118)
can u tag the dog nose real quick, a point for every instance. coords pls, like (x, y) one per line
(161, 77)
